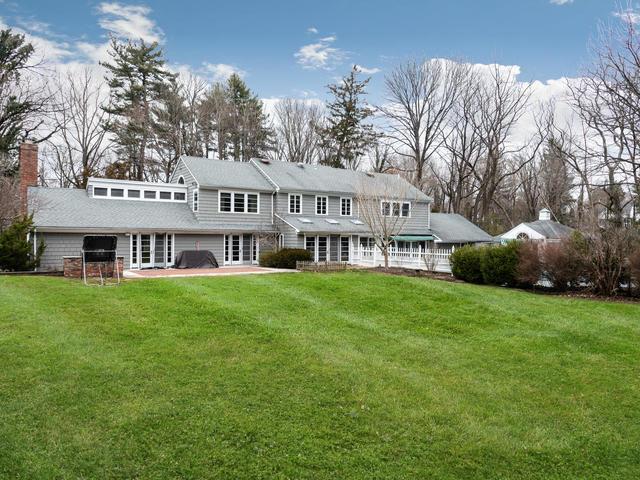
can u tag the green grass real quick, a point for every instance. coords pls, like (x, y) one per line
(350, 375)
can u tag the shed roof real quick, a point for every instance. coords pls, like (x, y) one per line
(550, 229)
(454, 228)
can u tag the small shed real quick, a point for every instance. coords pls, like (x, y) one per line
(544, 229)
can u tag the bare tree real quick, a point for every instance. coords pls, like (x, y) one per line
(9, 201)
(296, 131)
(381, 205)
(420, 95)
(80, 147)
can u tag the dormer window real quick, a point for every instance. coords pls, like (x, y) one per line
(99, 192)
(150, 194)
(117, 192)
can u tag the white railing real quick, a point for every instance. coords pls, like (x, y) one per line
(435, 259)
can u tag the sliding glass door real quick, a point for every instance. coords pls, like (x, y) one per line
(151, 250)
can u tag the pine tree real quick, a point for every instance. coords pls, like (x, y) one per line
(137, 78)
(16, 252)
(346, 134)
(249, 135)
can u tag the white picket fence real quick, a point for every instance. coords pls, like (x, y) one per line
(435, 260)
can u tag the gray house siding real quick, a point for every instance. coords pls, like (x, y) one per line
(213, 243)
(59, 245)
(182, 171)
(309, 205)
(208, 210)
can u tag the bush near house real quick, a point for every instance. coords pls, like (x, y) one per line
(529, 268)
(634, 269)
(285, 258)
(563, 264)
(466, 263)
(16, 252)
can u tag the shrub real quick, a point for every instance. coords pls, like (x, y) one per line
(285, 258)
(16, 253)
(500, 264)
(634, 268)
(529, 267)
(466, 263)
(563, 264)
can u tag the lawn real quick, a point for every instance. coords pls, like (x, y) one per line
(349, 375)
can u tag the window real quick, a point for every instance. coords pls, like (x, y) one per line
(295, 203)
(396, 209)
(165, 195)
(322, 249)
(117, 192)
(310, 246)
(237, 202)
(345, 207)
(344, 249)
(196, 200)
(99, 192)
(321, 205)
(522, 236)
(252, 203)
(225, 201)
(178, 196)
(150, 194)
(332, 221)
(181, 180)
(406, 209)
(169, 249)
(133, 193)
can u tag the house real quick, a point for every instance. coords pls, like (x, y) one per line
(233, 209)
(544, 229)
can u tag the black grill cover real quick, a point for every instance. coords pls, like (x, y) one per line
(99, 248)
(196, 259)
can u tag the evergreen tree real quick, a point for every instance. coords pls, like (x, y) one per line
(16, 252)
(249, 135)
(346, 134)
(137, 78)
(170, 117)
(20, 103)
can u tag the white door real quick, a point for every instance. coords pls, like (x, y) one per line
(146, 250)
(233, 250)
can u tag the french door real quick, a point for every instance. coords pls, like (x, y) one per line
(151, 250)
(240, 249)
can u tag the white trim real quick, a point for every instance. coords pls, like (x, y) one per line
(326, 197)
(269, 179)
(289, 203)
(292, 226)
(246, 201)
(400, 203)
(350, 206)
(181, 159)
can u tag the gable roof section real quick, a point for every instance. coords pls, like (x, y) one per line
(294, 177)
(226, 174)
(66, 209)
(454, 228)
(550, 229)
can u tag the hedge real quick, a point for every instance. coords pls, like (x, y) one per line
(495, 265)
(466, 263)
(285, 258)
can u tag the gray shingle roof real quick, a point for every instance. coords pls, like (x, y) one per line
(454, 228)
(343, 226)
(226, 174)
(73, 209)
(550, 229)
(294, 177)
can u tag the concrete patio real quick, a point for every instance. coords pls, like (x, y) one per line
(202, 272)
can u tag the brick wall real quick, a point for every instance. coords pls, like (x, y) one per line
(73, 268)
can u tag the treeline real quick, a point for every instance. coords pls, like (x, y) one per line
(453, 129)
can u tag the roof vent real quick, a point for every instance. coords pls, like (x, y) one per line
(331, 221)
(305, 220)
(369, 174)
(300, 165)
(265, 161)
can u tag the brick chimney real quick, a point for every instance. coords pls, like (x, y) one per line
(28, 158)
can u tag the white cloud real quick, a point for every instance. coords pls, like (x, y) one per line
(368, 71)
(312, 30)
(560, 2)
(129, 22)
(321, 54)
(220, 72)
(46, 49)
(628, 15)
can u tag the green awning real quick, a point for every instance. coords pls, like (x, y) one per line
(413, 238)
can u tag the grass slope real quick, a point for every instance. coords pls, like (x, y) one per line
(349, 375)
